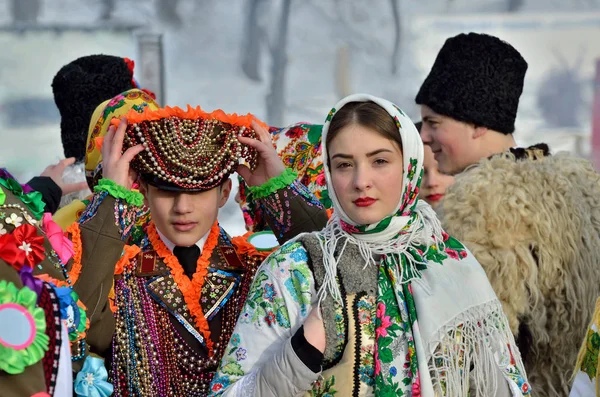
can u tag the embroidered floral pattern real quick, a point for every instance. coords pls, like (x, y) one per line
(589, 364)
(324, 388)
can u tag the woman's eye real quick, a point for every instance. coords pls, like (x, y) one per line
(381, 161)
(343, 165)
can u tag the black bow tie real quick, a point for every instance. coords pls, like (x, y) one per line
(188, 258)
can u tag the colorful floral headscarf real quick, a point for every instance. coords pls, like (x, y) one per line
(397, 245)
(299, 147)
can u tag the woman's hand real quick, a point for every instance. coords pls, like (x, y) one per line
(269, 164)
(115, 165)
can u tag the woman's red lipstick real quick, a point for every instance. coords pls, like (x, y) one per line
(364, 201)
(435, 197)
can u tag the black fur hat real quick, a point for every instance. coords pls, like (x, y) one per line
(79, 87)
(476, 78)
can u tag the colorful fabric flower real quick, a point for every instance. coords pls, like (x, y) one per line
(60, 243)
(14, 220)
(30, 281)
(73, 312)
(30, 243)
(32, 199)
(17, 353)
(91, 380)
(22, 247)
(29, 219)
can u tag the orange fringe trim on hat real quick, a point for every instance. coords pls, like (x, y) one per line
(190, 114)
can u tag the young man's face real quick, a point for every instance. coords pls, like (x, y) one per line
(453, 142)
(185, 217)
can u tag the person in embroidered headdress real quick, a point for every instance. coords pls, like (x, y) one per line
(381, 301)
(78, 88)
(531, 219)
(118, 106)
(178, 288)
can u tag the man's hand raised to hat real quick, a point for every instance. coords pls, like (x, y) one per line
(269, 164)
(115, 164)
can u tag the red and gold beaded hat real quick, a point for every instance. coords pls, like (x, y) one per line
(188, 150)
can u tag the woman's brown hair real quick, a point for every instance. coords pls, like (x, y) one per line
(366, 114)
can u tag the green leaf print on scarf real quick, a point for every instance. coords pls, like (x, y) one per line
(589, 364)
(395, 317)
(314, 133)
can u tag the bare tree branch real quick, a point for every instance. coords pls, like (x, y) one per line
(397, 34)
(514, 5)
(166, 10)
(251, 43)
(25, 11)
(106, 9)
(276, 97)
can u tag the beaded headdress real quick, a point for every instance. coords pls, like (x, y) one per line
(188, 150)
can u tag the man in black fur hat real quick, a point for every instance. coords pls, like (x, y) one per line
(79, 87)
(531, 219)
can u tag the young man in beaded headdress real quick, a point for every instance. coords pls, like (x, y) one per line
(179, 288)
(531, 219)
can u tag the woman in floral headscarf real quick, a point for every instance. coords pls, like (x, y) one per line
(382, 301)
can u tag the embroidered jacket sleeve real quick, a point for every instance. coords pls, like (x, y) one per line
(104, 226)
(586, 382)
(289, 207)
(261, 358)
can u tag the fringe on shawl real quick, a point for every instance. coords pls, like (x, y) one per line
(474, 352)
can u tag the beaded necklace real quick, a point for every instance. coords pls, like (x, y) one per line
(191, 289)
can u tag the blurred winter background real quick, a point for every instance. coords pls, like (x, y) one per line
(290, 60)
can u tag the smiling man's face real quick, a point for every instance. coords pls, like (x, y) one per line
(453, 143)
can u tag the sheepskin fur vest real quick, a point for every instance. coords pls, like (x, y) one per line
(533, 222)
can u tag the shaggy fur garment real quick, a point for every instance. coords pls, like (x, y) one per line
(534, 225)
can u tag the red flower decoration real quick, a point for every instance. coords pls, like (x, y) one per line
(9, 252)
(22, 247)
(295, 132)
